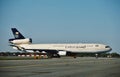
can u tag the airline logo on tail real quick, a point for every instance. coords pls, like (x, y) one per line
(17, 34)
(19, 38)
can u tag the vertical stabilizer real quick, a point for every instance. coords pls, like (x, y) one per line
(17, 34)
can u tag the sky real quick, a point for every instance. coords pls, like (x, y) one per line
(61, 21)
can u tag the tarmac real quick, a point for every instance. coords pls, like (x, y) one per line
(61, 67)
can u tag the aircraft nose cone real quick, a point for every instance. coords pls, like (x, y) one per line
(110, 49)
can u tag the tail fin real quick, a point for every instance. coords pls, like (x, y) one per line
(18, 38)
(17, 34)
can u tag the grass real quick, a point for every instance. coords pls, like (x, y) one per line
(15, 58)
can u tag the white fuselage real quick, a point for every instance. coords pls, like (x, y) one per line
(74, 48)
(21, 43)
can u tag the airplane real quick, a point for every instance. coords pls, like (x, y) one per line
(21, 43)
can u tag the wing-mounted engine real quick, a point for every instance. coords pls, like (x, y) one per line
(62, 53)
(20, 41)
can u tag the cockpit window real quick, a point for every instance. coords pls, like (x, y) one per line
(107, 47)
(96, 45)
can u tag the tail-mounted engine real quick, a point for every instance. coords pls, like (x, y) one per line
(20, 41)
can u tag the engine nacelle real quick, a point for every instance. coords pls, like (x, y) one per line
(21, 41)
(62, 53)
(15, 48)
